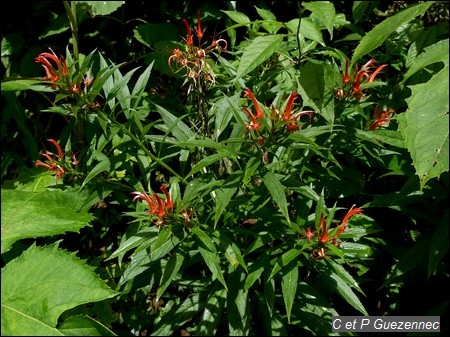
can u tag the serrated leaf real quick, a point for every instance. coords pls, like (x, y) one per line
(35, 214)
(383, 30)
(238, 17)
(437, 52)
(102, 7)
(51, 281)
(84, 326)
(425, 126)
(259, 50)
(276, 190)
(324, 11)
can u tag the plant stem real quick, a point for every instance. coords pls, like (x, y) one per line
(71, 11)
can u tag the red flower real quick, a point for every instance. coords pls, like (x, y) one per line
(259, 112)
(380, 118)
(351, 212)
(292, 119)
(189, 40)
(155, 203)
(51, 164)
(52, 73)
(308, 234)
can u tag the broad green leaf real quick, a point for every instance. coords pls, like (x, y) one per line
(314, 80)
(170, 271)
(359, 9)
(383, 30)
(437, 52)
(35, 214)
(223, 112)
(84, 326)
(42, 283)
(259, 50)
(289, 287)
(102, 7)
(32, 180)
(425, 126)
(276, 190)
(238, 17)
(438, 247)
(324, 11)
(210, 255)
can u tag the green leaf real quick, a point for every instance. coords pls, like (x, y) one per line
(170, 271)
(289, 287)
(238, 17)
(102, 7)
(425, 126)
(324, 11)
(51, 281)
(179, 129)
(437, 52)
(222, 198)
(238, 304)
(103, 166)
(383, 30)
(259, 50)
(284, 260)
(214, 306)
(84, 326)
(438, 247)
(140, 86)
(165, 242)
(210, 255)
(276, 190)
(26, 84)
(35, 214)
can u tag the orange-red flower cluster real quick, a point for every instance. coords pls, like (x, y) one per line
(323, 235)
(380, 118)
(157, 206)
(288, 117)
(52, 163)
(192, 58)
(352, 84)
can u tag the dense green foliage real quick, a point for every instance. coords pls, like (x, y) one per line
(202, 168)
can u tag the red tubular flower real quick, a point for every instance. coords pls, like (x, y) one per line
(323, 230)
(52, 73)
(381, 117)
(308, 234)
(50, 163)
(259, 112)
(157, 206)
(254, 124)
(346, 77)
(199, 28)
(290, 103)
(375, 73)
(189, 40)
(58, 148)
(351, 212)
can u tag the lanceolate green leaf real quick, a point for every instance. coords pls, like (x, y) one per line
(40, 285)
(425, 126)
(170, 271)
(276, 190)
(381, 32)
(289, 287)
(259, 50)
(34, 214)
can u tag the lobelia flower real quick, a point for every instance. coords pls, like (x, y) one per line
(157, 206)
(351, 212)
(51, 164)
(253, 124)
(53, 74)
(308, 234)
(292, 119)
(381, 118)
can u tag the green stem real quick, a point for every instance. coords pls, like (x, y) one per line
(151, 155)
(71, 11)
